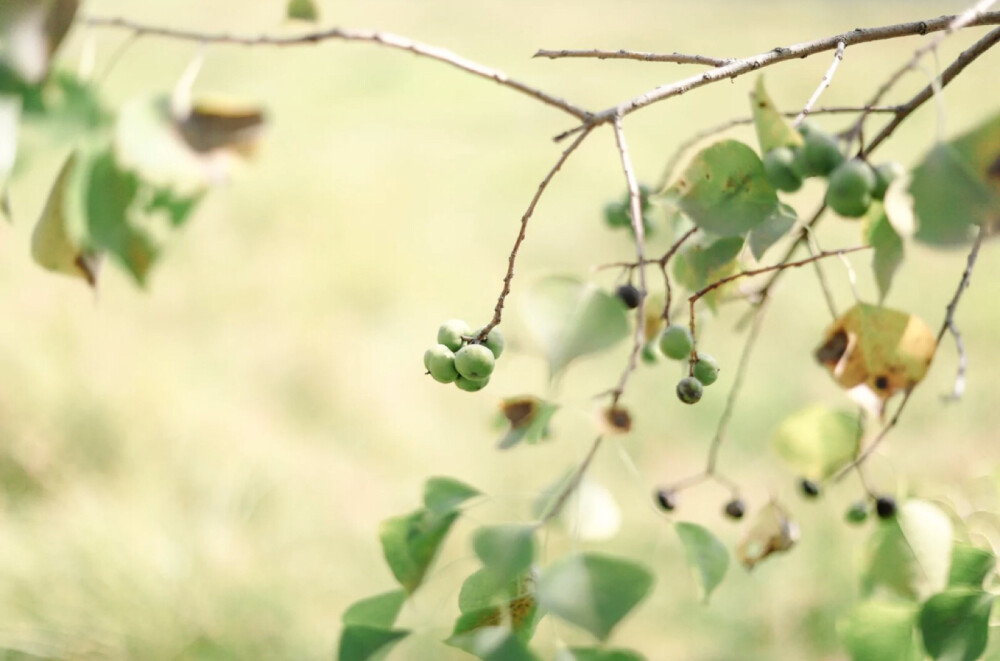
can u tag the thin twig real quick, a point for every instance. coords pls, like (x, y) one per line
(949, 319)
(676, 58)
(571, 485)
(963, 364)
(756, 62)
(640, 257)
(386, 39)
(813, 245)
(823, 84)
(509, 276)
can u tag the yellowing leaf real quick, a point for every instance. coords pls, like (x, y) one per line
(772, 532)
(773, 130)
(52, 246)
(877, 350)
(816, 442)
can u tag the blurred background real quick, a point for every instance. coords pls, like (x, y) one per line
(198, 470)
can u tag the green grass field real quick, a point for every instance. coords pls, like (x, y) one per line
(198, 470)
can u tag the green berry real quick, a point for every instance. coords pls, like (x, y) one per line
(822, 154)
(471, 385)
(689, 390)
(616, 215)
(650, 353)
(706, 369)
(850, 189)
(451, 332)
(807, 127)
(857, 513)
(676, 342)
(885, 174)
(494, 341)
(780, 170)
(440, 362)
(474, 361)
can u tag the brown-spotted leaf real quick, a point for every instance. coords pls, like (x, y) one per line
(772, 532)
(773, 130)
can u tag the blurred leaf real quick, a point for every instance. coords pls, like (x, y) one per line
(878, 631)
(302, 10)
(569, 319)
(910, 555)
(950, 198)
(772, 532)
(528, 418)
(443, 495)
(705, 553)
(176, 206)
(480, 591)
(109, 192)
(591, 512)
(888, 254)
(771, 230)
(10, 114)
(378, 611)
(493, 644)
(31, 31)
(955, 624)
(522, 613)
(723, 190)
(592, 591)
(360, 643)
(597, 654)
(773, 130)
(506, 551)
(697, 266)
(816, 442)
(980, 150)
(970, 565)
(214, 125)
(52, 246)
(411, 542)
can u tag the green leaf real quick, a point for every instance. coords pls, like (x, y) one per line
(955, 624)
(705, 553)
(878, 631)
(53, 246)
(910, 555)
(31, 31)
(980, 150)
(360, 643)
(771, 230)
(697, 266)
(378, 611)
(569, 319)
(443, 495)
(888, 254)
(773, 130)
(522, 613)
(506, 551)
(302, 10)
(109, 192)
(597, 654)
(176, 206)
(950, 198)
(593, 591)
(479, 590)
(529, 419)
(723, 190)
(493, 644)
(970, 565)
(411, 542)
(816, 442)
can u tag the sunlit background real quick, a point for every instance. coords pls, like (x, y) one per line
(198, 470)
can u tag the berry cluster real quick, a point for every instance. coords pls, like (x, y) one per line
(851, 184)
(458, 358)
(676, 342)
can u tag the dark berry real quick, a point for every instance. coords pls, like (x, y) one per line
(885, 506)
(689, 390)
(809, 488)
(735, 508)
(666, 499)
(629, 295)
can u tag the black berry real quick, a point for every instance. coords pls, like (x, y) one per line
(666, 499)
(630, 296)
(885, 506)
(809, 488)
(735, 509)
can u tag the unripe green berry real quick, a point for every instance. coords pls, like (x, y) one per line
(689, 390)
(885, 174)
(822, 154)
(650, 353)
(780, 170)
(706, 369)
(494, 341)
(474, 361)
(676, 342)
(440, 362)
(849, 192)
(857, 513)
(471, 385)
(451, 332)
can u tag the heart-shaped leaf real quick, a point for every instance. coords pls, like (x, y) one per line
(955, 623)
(705, 553)
(817, 442)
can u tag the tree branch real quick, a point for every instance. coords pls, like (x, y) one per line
(386, 39)
(823, 84)
(676, 58)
